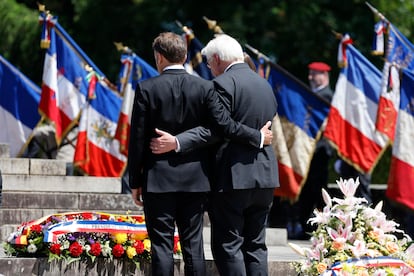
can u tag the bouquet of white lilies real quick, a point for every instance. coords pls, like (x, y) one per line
(352, 238)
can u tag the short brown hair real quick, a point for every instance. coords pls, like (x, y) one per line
(171, 46)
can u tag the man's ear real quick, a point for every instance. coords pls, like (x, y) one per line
(158, 57)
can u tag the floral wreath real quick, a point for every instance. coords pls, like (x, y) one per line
(354, 239)
(78, 236)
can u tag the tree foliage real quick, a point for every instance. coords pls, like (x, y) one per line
(290, 32)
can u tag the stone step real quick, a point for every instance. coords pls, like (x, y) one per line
(68, 184)
(19, 207)
(274, 236)
(5, 231)
(4, 150)
(74, 201)
(32, 166)
(41, 267)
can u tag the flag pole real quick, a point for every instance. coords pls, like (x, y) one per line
(380, 15)
(128, 51)
(179, 24)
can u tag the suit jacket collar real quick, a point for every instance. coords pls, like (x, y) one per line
(174, 71)
(237, 66)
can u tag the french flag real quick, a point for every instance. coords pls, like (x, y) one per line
(19, 99)
(64, 85)
(133, 70)
(351, 120)
(399, 56)
(301, 114)
(64, 81)
(97, 153)
(401, 177)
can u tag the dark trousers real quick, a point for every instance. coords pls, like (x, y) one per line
(238, 220)
(162, 212)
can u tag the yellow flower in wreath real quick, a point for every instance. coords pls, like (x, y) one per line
(120, 238)
(147, 245)
(131, 252)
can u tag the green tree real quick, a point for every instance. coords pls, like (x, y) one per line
(19, 32)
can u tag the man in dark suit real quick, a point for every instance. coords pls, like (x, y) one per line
(245, 177)
(173, 187)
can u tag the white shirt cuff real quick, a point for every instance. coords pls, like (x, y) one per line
(261, 140)
(178, 148)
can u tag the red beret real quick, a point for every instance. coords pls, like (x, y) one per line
(319, 66)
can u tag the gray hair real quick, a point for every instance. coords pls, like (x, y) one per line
(226, 47)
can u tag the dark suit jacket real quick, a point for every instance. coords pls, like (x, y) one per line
(175, 101)
(251, 101)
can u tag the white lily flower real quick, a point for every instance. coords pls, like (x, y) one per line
(348, 187)
(326, 198)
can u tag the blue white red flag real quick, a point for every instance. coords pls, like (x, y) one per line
(19, 100)
(399, 55)
(73, 85)
(133, 70)
(351, 119)
(97, 152)
(401, 177)
(64, 85)
(296, 129)
(64, 82)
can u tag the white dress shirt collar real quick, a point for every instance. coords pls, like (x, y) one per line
(174, 66)
(231, 64)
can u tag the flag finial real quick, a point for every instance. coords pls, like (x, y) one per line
(48, 22)
(337, 35)
(342, 59)
(376, 12)
(41, 7)
(212, 25)
(121, 48)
